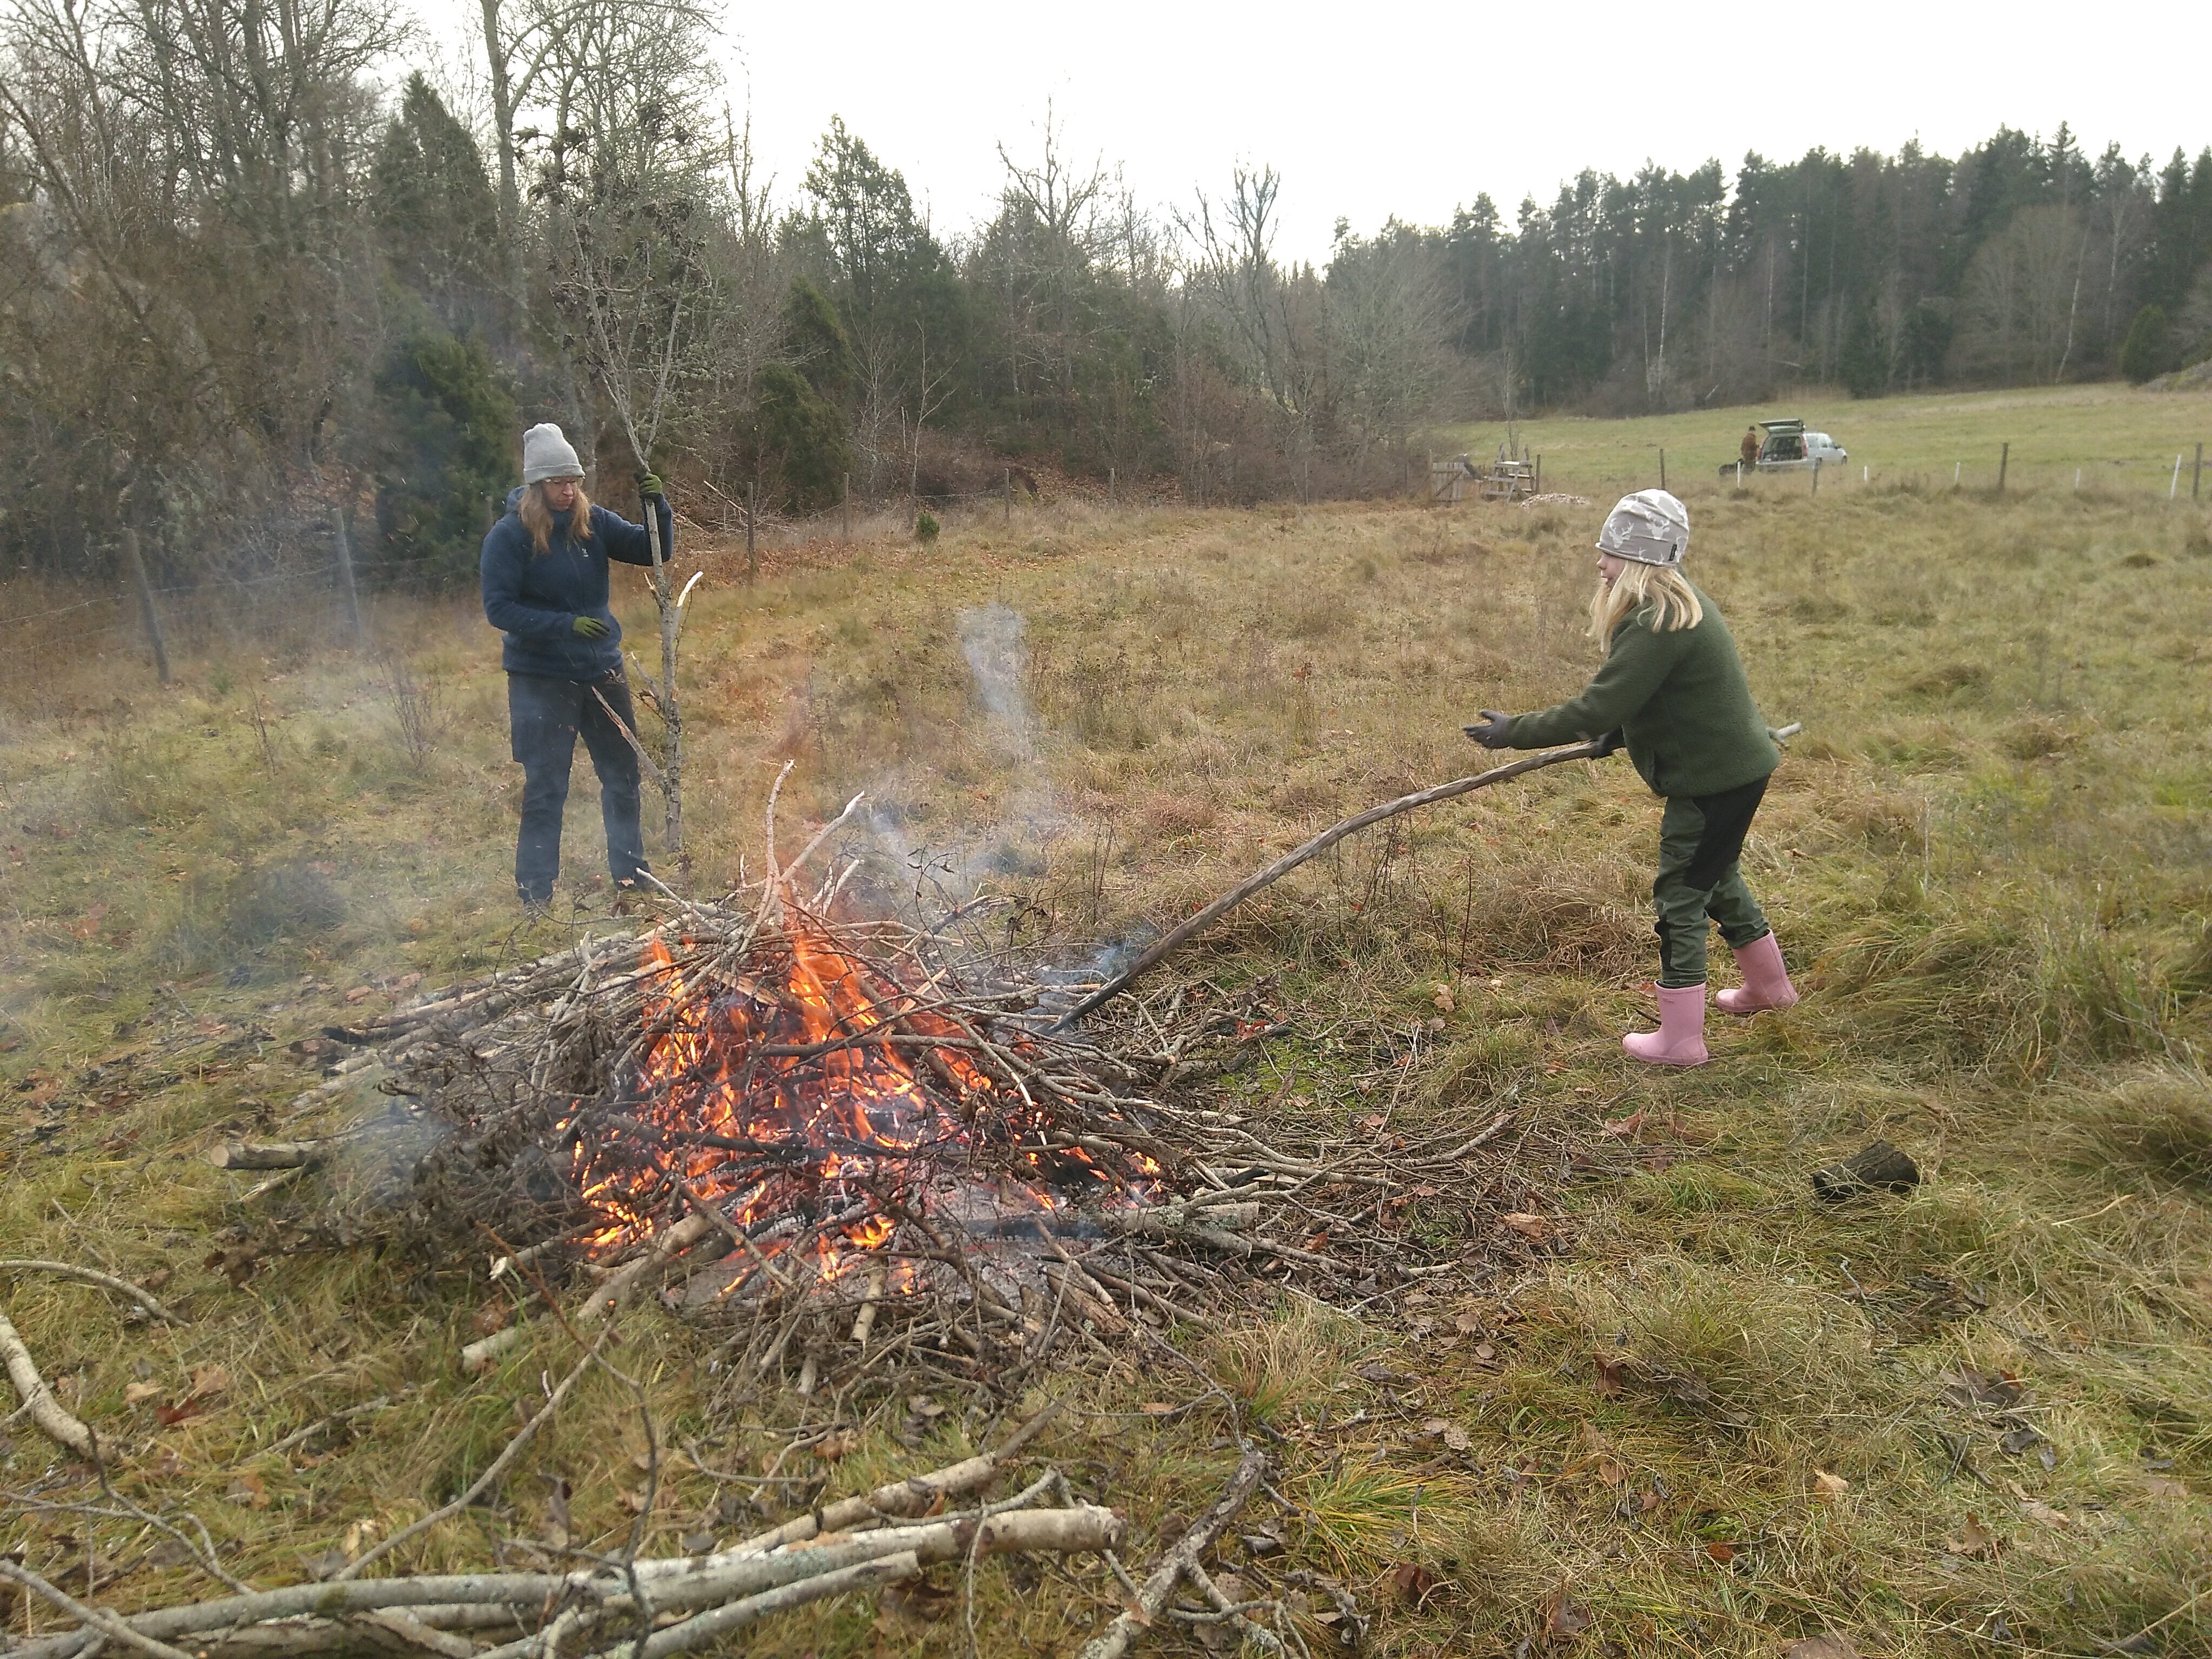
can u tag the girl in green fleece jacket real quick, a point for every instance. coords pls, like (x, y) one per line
(1672, 691)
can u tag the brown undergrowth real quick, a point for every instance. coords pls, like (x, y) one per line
(1703, 1415)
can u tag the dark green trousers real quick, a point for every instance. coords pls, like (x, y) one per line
(1699, 880)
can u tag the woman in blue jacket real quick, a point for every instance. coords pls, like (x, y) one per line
(544, 571)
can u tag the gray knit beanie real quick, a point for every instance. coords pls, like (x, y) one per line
(547, 454)
(1650, 526)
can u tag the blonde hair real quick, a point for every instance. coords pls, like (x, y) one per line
(1673, 602)
(537, 515)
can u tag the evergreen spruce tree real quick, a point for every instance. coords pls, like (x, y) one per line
(442, 452)
(2144, 352)
(1865, 365)
(800, 438)
(434, 210)
(815, 336)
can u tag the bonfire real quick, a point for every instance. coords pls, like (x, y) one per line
(864, 1144)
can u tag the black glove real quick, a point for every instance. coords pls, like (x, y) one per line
(590, 628)
(648, 486)
(1491, 734)
(1611, 741)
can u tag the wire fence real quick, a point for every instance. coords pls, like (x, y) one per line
(2182, 477)
(66, 649)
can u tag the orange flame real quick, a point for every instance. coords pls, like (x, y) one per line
(788, 1103)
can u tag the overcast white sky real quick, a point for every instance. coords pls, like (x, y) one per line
(1415, 111)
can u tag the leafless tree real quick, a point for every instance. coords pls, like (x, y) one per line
(2022, 294)
(629, 183)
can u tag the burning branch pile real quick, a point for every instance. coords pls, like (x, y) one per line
(861, 1150)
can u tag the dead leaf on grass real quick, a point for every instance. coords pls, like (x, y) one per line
(1445, 1001)
(1527, 1224)
(209, 1381)
(2159, 1486)
(1457, 1438)
(1827, 1486)
(1566, 1619)
(1610, 1368)
(1410, 1581)
(1721, 1552)
(838, 1445)
(1468, 1323)
(902, 1610)
(1968, 1386)
(1627, 1126)
(134, 1393)
(1611, 1471)
(1828, 1645)
(249, 1491)
(1973, 1538)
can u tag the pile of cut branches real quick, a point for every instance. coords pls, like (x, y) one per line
(864, 1146)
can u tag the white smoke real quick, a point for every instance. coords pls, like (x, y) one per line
(991, 639)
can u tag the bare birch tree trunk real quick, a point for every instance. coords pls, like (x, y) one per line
(671, 711)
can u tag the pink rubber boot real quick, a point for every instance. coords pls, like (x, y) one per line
(1766, 980)
(1680, 1038)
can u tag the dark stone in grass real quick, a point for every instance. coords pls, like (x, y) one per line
(1879, 1166)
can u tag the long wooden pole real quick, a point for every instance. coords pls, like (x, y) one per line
(345, 576)
(671, 713)
(1320, 844)
(152, 617)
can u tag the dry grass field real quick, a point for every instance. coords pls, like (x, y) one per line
(1976, 1419)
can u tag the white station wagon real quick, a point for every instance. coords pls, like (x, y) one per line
(1789, 447)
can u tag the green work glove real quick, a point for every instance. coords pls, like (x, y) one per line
(590, 628)
(1491, 734)
(648, 485)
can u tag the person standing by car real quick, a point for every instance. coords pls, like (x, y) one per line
(1672, 691)
(545, 586)
(1748, 449)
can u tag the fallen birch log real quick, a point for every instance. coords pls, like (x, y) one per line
(916, 1495)
(39, 1402)
(1184, 1554)
(268, 1154)
(724, 1582)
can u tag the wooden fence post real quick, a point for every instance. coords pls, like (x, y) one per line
(2196, 473)
(1662, 469)
(1538, 479)
(1109, 477)
(1006, 493)
(345, 576)
(2004, 461)
(845, 510)
(752, 518)
(152, 617)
